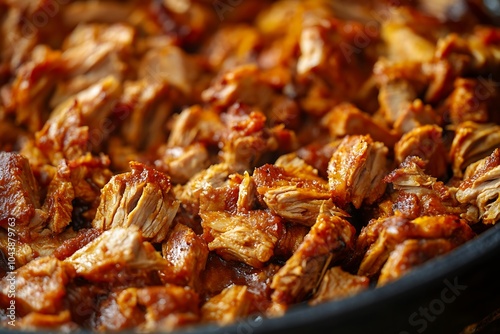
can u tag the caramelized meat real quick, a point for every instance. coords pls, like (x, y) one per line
(40, 286)
(330, 237)
(186, 254)
(380, 237)
(246, 237)
(338, 284)
(295, 194)
(426, 143)
(418, 194)
(116, 251)
(481, 188)
(472, 142)
(19, 196)
(231, 304)
(169, 163)
(356, 170)
(141, 198)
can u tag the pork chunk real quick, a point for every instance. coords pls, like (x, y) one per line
(327, 240)
(246, 237)
(19, 197)
(481, 188)
(119, 250)
(186, 254)
(356, 171)
(141, 198)
(40, 286)
(231, 304)
(338, 284)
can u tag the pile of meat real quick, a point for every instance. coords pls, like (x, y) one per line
(183, 162)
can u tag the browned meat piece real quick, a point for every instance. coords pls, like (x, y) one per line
(35, 321)
(425, 142)
(19, 196)
(119, 251)
(156, 308)
(186, 254)
(231, 304)
(72, 244)
(232, 46)
(246, 237)
(403, 41)
(90, 53)
(33, 85)
(330, 237)
(39, 286)
(338, 284)
(195, 124)
(247, 141)
(292, 237)
(214, 176)
(243, 84)
(346, 119)
(410, 254)
(141, 198)
(467, 102)
(88, 176)
(75, 13)
(294, 191)
(394, 97)
(414, 115)
(79, 124)
(171, 65)
(168, 307)
(380, 237)
(144, 111)
(182, 163)
(477, 53)
(220, 274)
(481, 188)
(59, 200)
(356, 171)
(22, 255)
(418, 194)
(472, 142)
(318, 155)
(247, 194)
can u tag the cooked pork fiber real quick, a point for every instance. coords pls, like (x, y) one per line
(174, 163)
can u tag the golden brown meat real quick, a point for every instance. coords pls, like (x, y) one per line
(472, 142)
(425, 142)
(356, 171)
(418, 194)
(117, 252)
(330, 237)
(182, 163)
(140, 198)
(91, 53)
(186, 254)
(380, 237)
(19, 196)
(155, 308)
(346, 119)
(39, 286)
(246, 237)
(338, 284)
(481, 188)
(292, 192)
(231, 304)
(410, 254)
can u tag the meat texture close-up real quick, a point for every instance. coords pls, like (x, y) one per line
(167, 164)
